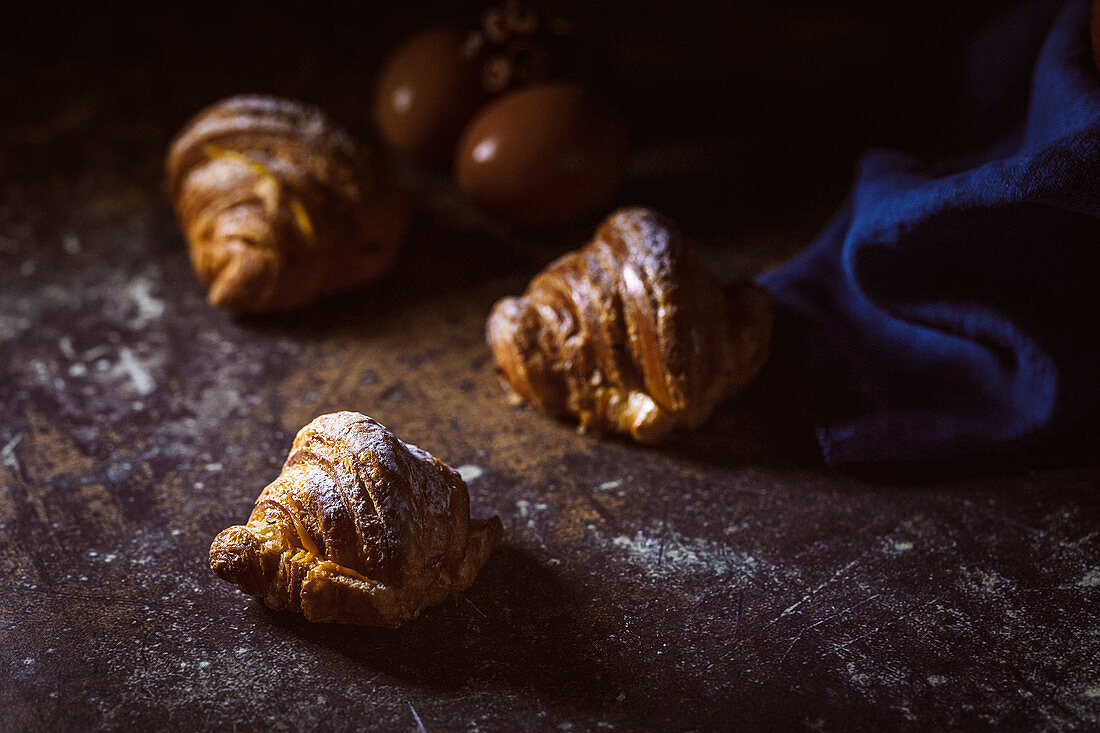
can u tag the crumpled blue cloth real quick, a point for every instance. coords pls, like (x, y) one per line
(953, 309)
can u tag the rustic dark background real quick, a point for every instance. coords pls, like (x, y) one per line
(725, 581)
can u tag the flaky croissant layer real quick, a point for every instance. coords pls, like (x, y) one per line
(358, 528)
(631, 334)
(279, 205)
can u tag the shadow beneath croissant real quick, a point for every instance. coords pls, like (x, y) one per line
(517, 627)
(758, 427)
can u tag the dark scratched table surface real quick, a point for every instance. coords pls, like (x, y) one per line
(727, 580)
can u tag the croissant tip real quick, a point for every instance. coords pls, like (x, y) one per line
(483, 538)
(494, 530)
(485, 535)
(501, 319)
(235, 555)
(239, 281)
(218, 298)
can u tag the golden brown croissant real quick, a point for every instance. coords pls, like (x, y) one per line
(279, 205)
(631, 334)
(358, 528)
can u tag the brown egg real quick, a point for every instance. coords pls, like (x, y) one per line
(426, 93)
(545, 154)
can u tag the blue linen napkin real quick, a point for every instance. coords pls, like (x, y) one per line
(953, 308)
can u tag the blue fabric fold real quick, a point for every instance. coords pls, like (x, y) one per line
(952, 309)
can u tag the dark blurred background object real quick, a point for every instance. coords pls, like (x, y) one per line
(427, 89)
(769, 86)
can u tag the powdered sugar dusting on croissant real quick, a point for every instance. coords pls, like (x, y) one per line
(359, 527)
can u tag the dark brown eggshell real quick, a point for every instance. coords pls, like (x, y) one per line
(426, 93)
(544, 155)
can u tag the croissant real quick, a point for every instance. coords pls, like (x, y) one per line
(279, 205)
(358, 528)
(631, 334)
